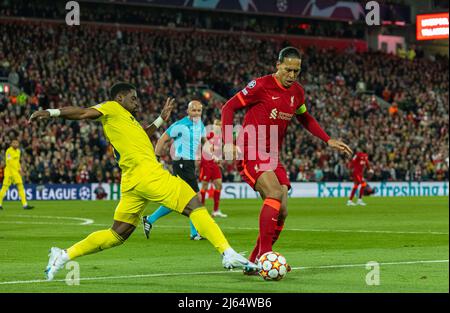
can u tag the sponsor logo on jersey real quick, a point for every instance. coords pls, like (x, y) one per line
(251, 84)
(274, 114)
(245, 91)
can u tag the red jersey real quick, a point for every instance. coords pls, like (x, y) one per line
(270, 108)
(209, 169)
(268, 103)
(215, 143)
(359, 161)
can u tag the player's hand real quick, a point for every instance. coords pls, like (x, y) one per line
(339, 145)
(39, 115)
(167, 109)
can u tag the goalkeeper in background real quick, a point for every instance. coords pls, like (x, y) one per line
(12, 174)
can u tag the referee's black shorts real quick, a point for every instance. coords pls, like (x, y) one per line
(186, 170)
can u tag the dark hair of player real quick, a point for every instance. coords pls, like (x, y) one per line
(288, 52)
(120, 87)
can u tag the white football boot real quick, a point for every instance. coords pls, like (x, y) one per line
(231, 259)
(361, 202)
(350, 203)
(218, 213)
(56, 261)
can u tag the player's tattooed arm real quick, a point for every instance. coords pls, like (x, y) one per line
(163, 117)
(69, 113)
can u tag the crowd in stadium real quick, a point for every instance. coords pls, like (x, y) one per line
(406, 135)
(174, 18)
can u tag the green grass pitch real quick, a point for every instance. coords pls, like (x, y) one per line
(327, 243)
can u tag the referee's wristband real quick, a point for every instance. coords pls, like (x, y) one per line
(54, 112)
(158, 122)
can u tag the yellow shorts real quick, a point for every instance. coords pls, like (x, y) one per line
(12, 178)
(160, 187)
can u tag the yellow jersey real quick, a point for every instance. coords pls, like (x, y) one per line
(133, 149)
(12, 157)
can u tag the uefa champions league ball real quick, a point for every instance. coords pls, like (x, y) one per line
(273, 266)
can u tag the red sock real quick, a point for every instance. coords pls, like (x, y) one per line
(355, 187)
(361, 190)
(203, 194)
(278, 230)
(268, 220)
(255, 251)
(216, 199)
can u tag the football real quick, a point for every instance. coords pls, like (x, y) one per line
(273, 266)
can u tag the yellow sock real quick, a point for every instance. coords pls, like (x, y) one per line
(3, 193)
(95, 242)
(208, 228)
(22, 196)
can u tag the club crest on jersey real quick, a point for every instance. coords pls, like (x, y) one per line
(273, 114)
(245, 91)
(251, 84)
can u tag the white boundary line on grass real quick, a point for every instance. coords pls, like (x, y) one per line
(216, 272)
(90, 222)
(317, 230)
(84, 221)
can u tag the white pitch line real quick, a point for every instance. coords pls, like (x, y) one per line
(37, 223)
(91, 223)
(320, 230)
(84, 221)
(215, 272)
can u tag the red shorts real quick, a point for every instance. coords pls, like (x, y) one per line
(358, 179)
(251, 170)
(210, 172)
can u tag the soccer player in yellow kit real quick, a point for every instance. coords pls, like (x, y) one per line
(143, 179)
(12, 175)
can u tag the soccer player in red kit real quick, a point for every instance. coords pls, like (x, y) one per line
(209, 168)
(357, 164)
(270, 102)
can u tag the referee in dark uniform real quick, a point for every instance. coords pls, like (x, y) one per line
(188, 134)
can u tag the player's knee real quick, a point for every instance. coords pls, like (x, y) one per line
(194, 204)
(218, 186)
(124, 230)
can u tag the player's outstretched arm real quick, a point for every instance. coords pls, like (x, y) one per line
(163, 117)
(68, 113)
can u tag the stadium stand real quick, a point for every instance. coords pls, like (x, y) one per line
(54, 66)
